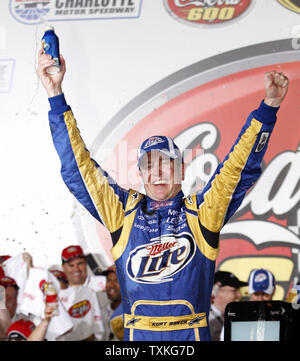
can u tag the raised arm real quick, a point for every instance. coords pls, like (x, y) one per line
(242, 166)
(88, 182)
(276, 87)
(39, 333)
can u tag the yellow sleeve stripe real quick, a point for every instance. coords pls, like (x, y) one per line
(105, 200)
(217, 199)
(193, 222)
(133, 199)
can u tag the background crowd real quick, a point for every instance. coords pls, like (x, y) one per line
(66, 304)
(70, 303)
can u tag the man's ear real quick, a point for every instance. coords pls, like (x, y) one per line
(141, 175)
(215, 289)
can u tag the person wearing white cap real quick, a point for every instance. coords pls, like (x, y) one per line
(165, 244)
(261, 285)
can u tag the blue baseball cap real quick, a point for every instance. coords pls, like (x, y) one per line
(261, 280)
(160, 143)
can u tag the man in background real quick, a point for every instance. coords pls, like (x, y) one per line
(226, 289)
(86, 305)
(11, 295)
(115, 312)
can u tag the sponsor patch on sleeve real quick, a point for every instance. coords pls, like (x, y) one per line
(262, 141)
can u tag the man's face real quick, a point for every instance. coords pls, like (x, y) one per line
(161, 175)
(260, 296)
(229, 294)
(112, 287)
(75, 271)
(11, 295)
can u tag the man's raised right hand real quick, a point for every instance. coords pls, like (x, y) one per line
(51, 82)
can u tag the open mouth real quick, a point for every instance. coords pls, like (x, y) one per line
(77, 274)
(160, 181)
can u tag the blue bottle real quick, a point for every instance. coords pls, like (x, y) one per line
(50, 44)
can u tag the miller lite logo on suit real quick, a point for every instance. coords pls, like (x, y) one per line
(206, 11)
(162, 258)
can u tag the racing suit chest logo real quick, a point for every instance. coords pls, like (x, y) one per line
(159, 260)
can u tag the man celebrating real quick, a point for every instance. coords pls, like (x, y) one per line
(164, 245)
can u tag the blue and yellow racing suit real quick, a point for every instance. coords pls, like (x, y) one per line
(165, 251)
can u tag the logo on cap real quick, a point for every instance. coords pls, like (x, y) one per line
(260, 277)
(7, 281)
(70, 252)
(153, 141)
(20, 329)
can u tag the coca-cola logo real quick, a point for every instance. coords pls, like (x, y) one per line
(80, 309)
(160, 260)
(206, 11)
